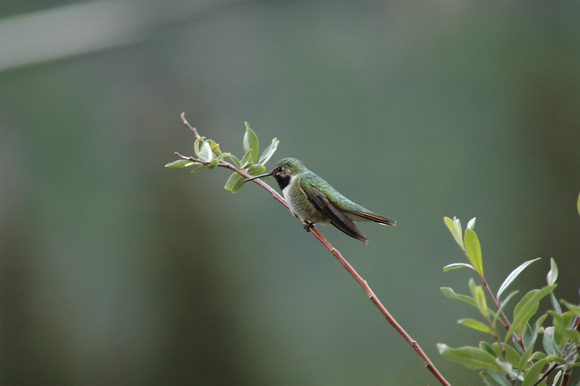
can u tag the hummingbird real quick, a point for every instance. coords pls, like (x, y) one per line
(314, 200)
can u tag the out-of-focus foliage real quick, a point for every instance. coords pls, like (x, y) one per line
(115, 270)
(520, 362)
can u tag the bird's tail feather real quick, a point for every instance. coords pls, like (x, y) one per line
(376, 218)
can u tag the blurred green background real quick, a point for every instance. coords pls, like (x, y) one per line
(116, 270)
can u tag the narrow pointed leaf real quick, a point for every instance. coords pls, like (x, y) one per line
(200, 168)
(471, 224)
(251, 142)
(470, 357)
(551, 279)
(473, 250)
(513, 275)
(555, 304)
(525, 359)
(503, 304)
(454, 227)
(481, 302)
(550, 347)
(572, 307)
(457, 266)
(529, 337)
(494, 378)
(578, 204)
(553, 272)
(269, 152)
(487, 348)
(526, 308)
(235, 160)
(453, 295)
(474, 324)
(511, 355)
(562, 325)
(180, 163)
(247, 160)
(533, 373)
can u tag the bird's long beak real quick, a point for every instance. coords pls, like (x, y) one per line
(260, 176)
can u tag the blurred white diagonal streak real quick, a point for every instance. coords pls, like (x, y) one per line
(78, 29)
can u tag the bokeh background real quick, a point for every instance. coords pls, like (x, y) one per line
(116, 270)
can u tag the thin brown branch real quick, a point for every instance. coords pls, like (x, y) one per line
(189, 126)
(383, 310)
(336, 253)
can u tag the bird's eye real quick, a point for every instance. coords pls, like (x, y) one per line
(278, 169)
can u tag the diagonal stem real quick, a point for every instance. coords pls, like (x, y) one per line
(363, 283)
(383, 310)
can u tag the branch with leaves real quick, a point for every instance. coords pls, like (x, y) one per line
(208, 155)
(519, 363)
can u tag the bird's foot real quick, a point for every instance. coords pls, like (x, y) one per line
(308, 225)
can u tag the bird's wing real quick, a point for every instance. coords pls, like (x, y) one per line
(336, 217)
(375, 217)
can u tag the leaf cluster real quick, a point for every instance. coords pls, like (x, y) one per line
(208, 155)
(512, 355)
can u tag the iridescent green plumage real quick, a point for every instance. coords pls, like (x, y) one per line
(313, 199)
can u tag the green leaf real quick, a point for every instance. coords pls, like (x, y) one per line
(234, 159)
(553, 273)
(247, 159)
(470, 357)
(474, 324)
(538, 355)
(200, 168)
(471, 224)
(511, 355)
(269, 152)
(572, 307)
(452, 295)
(238, 185)
(506, 367)
(530, 333)
(473, 250)
(449, 267)
(479, 296)
(487, 347)
(215, 147)
(256, 169)
(196, 145)
(180, 163)
(578, 204)
(454, 227)
(557, 378)
(205, 153)
(513, 275)
(232, 181)
(533, 373)
(551, 278)
(250, 142)
(562, 323)
(503, 304)
(529, 341)
(550, 347)
(526, 308)
(494, 378)
(555, 304)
